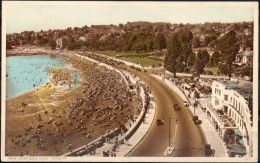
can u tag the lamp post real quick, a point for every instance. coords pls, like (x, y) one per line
(169, 131)
(194, 108)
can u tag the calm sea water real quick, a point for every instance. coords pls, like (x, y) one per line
(25, 73)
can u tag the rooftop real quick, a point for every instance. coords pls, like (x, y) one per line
(248, 53)
(243, 88)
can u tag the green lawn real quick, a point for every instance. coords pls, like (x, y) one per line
(144, 61)
(214, 70)
(113, 53)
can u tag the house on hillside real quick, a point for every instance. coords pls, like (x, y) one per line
(61, 42)
(247, 58)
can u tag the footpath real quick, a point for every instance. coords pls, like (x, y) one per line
(209, 131)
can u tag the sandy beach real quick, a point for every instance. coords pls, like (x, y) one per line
(51, 120)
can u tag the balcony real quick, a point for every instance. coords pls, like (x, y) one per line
(221, 117)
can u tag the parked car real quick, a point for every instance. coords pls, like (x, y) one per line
(196, 120)
(208, 150)
(176, 107)
(160, 122)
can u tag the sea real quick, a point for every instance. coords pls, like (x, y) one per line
(26, 73)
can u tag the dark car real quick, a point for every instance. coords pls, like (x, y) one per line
(176, 107)
(160, 122)
(196, 120)
(208, 150)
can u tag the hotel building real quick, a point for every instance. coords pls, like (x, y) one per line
(230, 112)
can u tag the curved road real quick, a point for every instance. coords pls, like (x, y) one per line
(190, 139)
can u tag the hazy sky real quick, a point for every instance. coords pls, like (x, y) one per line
(35, 16)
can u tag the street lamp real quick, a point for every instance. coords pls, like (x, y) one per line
(194, 108)
(170, 131)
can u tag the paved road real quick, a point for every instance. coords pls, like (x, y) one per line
(190, 139)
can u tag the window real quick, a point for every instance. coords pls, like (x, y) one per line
(226, 97)
(216, 102)
(219, 92)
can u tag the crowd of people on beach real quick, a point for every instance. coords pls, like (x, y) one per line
(103, 85)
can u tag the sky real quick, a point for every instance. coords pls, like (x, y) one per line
(21, 16)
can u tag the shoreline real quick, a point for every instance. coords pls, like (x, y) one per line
(49, 80)
(27, 51)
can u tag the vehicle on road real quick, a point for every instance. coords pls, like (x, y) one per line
(160, 122)
(208, 150)
(81, 152)
(186, 104)
(169, 150)
(176, 107)
(196, 120)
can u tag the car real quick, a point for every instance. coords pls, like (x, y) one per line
(176, 107)
(208, 150)
(186, 104)
(160, 122)
(196, 120)
(169, 150)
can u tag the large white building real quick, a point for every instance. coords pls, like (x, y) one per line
(231, 113)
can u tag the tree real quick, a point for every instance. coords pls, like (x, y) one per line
(173, 52)
(159, 41)
(52, 44)
(229, 47)
(192, 59)
(201, 61)
(247, 71)
(185, 37)
(215, 58)
(223, 69)
(149, 44)
(196, 42)
(196, 94)
(139, 46)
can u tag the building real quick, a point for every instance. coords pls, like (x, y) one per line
(61, 42)
(83, 38)
(248, 58)
(231, 113)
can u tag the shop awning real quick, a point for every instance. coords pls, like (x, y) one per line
(237, 149)
(241, 141)
(238, 133)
